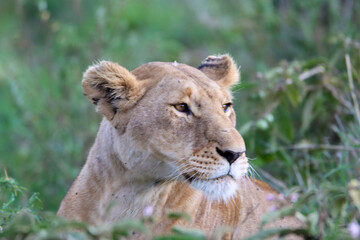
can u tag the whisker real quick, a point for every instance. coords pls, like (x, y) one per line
(253, 171)
(176, 173)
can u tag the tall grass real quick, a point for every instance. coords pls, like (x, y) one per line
(296, 107)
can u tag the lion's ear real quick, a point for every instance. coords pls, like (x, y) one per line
(221, 69)
(111, 88)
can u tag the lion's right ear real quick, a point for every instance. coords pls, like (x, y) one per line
(221, 69)
(111, 88)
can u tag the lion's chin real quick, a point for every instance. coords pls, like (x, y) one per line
(222, 189)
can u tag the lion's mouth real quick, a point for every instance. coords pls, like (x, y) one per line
(190, 179)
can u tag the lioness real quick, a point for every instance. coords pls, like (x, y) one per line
(168, 140)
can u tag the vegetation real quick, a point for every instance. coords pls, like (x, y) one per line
(297, 106)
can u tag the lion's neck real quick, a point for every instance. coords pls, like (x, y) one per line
(107, 163)
(124, 195)
(119, 186)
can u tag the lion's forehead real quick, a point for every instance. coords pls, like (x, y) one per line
(180, 81)
(192, 89)
(158, 70)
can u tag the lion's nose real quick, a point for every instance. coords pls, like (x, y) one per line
(229, 155)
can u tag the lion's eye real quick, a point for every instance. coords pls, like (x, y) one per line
(226, 107)
(182, 107)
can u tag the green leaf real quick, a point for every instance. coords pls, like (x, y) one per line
(308, 112)
(282, 232)
(284, 124)
(272, 216)
(179, 237)
(262, 124)
(183, 234)
(122, 228)
(313, 63)
(242, 85)
(245, 128)
(6, 205)
(293, 94)
(130, 225)
(34, 201)
(179, 215)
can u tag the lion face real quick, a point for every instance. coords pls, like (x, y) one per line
(173, 122)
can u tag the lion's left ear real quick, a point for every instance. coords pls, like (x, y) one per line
(221, 69)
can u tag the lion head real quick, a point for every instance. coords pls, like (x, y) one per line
(171, 121)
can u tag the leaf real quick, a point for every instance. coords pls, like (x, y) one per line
(179, 215)
(304, 199)
(282, 232)
(293, 95)
(183, 234)
(285, 157)
(122, 228)
(34, 202)
(313, 63)
(130, 225)
(179, 237)
(287, 210)
(188, 232)
(262, 124)
(307, 114)
(272, 216)
(246, 127)
(284, 124)
(5, 206)
(242, 85)
(272, 73)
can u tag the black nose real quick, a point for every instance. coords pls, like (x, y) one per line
(229, 155)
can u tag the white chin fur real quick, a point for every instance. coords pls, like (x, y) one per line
(218, 189)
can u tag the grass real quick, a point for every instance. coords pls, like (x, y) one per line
(297, 106)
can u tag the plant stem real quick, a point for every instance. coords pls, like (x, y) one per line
(352, 88)
(320, 147)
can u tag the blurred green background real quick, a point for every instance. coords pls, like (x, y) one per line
(296, 107)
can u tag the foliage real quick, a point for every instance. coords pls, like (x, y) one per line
(299, 116)
(309, 123)
(10, 197)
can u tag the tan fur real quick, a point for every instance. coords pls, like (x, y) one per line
(147, 153)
